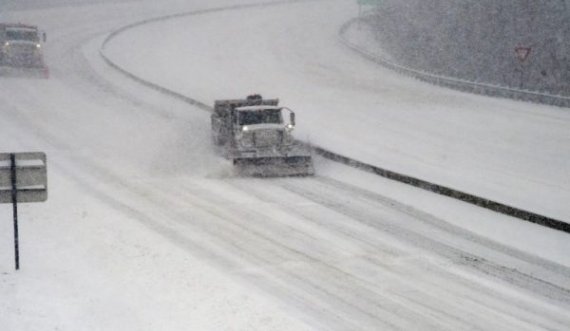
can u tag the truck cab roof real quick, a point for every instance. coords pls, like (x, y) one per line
(18, 26)
(258, 108)
(19, 32)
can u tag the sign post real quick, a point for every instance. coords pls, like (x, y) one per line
(15, 208)
(23, 178)
(522, 53)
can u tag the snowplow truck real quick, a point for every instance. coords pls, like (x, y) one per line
(21, 51)
(255, 137)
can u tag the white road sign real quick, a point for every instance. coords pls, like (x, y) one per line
(31, 177)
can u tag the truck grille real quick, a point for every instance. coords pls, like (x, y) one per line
(267, 138)
(23, 55)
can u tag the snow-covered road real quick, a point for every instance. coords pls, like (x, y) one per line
(145, 227)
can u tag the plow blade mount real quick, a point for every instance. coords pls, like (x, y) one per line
(275, 166)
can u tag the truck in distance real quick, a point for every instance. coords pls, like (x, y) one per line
(21, 50)
(254, 135)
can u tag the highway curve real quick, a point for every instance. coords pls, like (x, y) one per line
(140, 196)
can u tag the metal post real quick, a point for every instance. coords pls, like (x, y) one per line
(15, 208)
(522, 78)
(359, 23)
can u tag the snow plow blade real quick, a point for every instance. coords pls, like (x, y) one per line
(24, 72)
(275, 166)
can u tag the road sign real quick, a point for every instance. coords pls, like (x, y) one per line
(522, 53)
(31, 177)
(23, 178)
(370, 2)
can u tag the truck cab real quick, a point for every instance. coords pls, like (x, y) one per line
(21, 46)
(263, 126)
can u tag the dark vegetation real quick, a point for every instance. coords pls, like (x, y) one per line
(476, 40)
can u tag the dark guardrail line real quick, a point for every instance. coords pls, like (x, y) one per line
(330, 155)
(448, 192)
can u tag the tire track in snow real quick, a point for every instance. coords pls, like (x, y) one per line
(286, 272)
(416, 282)
(450, 241)
(304, 269)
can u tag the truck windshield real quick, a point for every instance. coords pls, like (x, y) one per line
(21, 34)
(272, 116)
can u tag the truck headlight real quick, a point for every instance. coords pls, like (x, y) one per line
(38, 46)
(246, 139)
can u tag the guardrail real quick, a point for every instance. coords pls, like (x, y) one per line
(330, 155)
(451, 82)
(448, 192)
